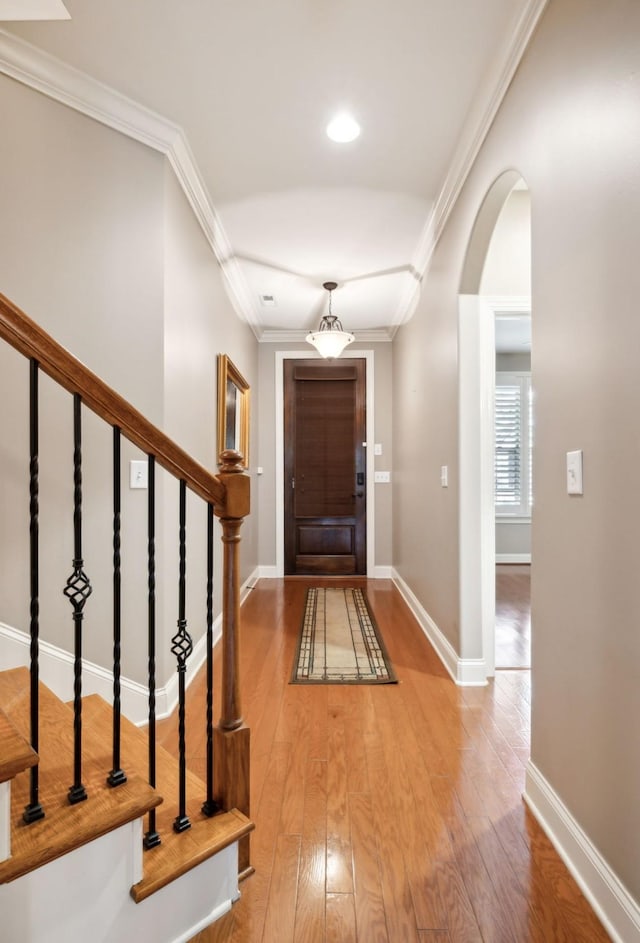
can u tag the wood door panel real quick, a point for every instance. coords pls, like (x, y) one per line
(325, 565)
(325, 508)
(325, 538)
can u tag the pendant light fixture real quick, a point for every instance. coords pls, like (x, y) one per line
(330, 339)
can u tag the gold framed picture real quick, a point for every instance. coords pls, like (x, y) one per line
(233, 410)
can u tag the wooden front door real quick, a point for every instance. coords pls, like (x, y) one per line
(325, 467)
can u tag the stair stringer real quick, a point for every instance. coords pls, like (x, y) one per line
(86, 895)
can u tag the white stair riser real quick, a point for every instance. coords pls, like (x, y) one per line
(5, 820)
(86, 896)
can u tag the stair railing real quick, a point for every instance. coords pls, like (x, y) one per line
(226, 496)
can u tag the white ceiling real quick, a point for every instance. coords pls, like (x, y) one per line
(253, 84)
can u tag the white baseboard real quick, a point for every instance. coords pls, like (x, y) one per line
(513, 558)
(618, 911)
(268, 572)
(249, 583)
(471, 672)
(381, 573)
(56, 669)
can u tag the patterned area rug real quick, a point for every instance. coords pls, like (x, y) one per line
(339, 641)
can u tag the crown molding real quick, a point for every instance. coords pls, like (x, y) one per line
(477, 128)
(50, 76)
(470, 141)
(75, 89)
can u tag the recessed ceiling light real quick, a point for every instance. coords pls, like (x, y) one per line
(343, 128)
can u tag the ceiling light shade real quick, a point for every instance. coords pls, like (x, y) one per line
(343, 128)
(330, 339)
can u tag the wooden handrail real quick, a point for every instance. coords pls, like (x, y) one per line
(27, 337)
(229, 495)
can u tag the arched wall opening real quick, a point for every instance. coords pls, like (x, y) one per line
(476, 410)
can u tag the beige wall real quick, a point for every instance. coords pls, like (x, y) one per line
(98, 245)
(570, 124)
(199, 324)
(81, 252)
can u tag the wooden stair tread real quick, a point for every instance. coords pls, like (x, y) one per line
(135, 760)
(65, 827)
(16, 753)
(14, 688)
(179, 853)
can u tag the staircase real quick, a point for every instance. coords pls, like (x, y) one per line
(105, 836)
(81, 872)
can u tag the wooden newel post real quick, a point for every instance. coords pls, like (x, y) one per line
(231, 716)
(231, 736)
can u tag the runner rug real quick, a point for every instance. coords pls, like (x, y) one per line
(339, 641)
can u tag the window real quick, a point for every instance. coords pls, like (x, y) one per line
(513, 444)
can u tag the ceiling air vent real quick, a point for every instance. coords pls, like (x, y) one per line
(268, 301)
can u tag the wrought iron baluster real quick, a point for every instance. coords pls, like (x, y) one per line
(117, 776)
(34, 810)
(181, 647)
(210, 806)
(77, 590)
(152, 838)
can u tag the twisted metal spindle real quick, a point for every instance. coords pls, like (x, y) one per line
(210, 806)
(181, 647)
(77, 590)
(152, 838)
(34, 811)
(117, 776)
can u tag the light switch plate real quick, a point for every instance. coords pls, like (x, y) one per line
(382, 476)
(444, 476)
(574, 472)
(138, 474)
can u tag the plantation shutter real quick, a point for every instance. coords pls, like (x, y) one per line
(508, 446)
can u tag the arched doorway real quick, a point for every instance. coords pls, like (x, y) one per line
(477, 378)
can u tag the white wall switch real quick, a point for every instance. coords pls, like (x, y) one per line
(382, 476)
(138, 474)
(574, 472)
(444, 476)
(377, 448)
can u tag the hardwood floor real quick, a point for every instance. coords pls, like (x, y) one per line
(513, 615)
(388, 814)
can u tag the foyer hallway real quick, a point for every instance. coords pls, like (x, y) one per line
(388, 814)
